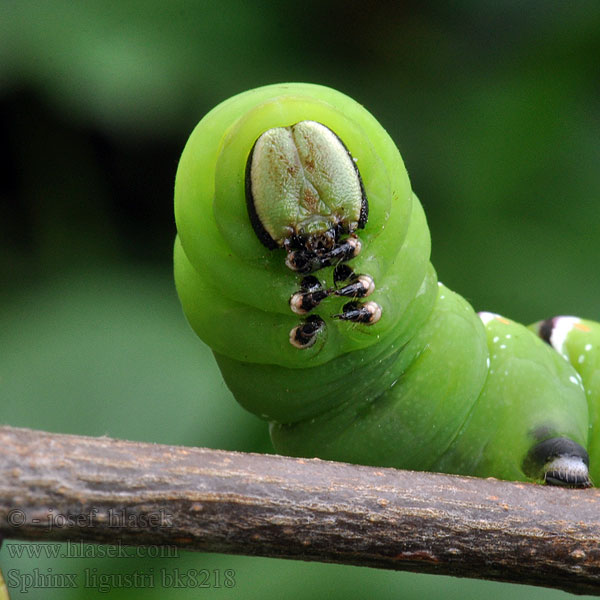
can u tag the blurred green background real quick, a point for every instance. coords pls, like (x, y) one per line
(494, 105)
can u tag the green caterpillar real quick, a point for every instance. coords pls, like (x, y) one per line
(302, 260)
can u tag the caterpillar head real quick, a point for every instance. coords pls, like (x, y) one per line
(292, 203)
(303, 189)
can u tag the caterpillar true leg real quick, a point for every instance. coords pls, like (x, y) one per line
(304, 335)
(369, 312)
(360, 287)
(307, 261)
(309, 297)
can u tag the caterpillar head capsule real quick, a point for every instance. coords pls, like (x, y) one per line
(303, 191)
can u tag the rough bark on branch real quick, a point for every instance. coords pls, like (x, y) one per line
(64, 487)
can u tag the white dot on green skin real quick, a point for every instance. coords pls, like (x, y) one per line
(496, 339)
(588, 347)
(581, 358)
(573, 379)
(488, 362)
(502, 346)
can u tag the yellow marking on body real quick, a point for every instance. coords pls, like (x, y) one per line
(581, 327)
(503, 320)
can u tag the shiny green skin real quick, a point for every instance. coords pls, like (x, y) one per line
(585, 341)
(582, 350)
(427, 387)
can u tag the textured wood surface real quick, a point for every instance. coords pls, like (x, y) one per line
(64, 487)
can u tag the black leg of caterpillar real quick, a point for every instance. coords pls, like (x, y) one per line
(343, 251)
(306, 261)
(310, 295)
(310, 284)
(358, 286)
(302, 261)
(361, 287)
(342, 273)
(368, 313)
(305, 334)
(559, 461)
(303, 302)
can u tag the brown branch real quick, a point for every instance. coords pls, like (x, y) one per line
(63, 487)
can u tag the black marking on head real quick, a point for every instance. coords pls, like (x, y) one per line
(364, 204)
(364, 207)
(310, 244)
(259, 229)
